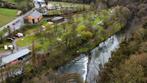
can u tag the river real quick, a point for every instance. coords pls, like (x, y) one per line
(88, 66)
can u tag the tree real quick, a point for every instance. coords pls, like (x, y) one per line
(1, 35)
(24, 5)
(86, 35)
(34, 58)
(129, 72)
(100, 4)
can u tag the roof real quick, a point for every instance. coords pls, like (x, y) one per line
(7, 59)
(39, 0)
(57, 18)
(35, 14)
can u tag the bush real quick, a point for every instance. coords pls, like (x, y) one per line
(81, 28)
(86, 35)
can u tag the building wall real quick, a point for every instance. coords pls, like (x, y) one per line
(40, 18)
(36, 20)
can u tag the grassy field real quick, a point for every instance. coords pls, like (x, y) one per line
(11, 1)
(6, 15)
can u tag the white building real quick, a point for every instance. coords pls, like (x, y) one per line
(39, 3)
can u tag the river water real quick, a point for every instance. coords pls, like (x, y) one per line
(88, 66)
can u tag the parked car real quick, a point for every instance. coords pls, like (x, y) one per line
(19, 35)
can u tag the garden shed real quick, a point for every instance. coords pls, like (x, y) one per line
(33, 17)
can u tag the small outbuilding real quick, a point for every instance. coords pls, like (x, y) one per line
(57, 19)
(34, 17)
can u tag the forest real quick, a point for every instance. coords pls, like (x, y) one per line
(128, 64)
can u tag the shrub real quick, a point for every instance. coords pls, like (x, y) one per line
(81, 28)
(86, 35)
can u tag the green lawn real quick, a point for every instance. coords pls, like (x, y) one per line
(40, 42)
(6, 15)
(26, 41)
(10, 1)
(29, 39)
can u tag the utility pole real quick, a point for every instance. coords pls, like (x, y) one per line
(33, 54)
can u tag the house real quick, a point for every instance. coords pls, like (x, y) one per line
(39, 3)
(33, 17)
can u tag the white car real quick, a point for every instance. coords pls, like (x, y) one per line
(19, 35)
